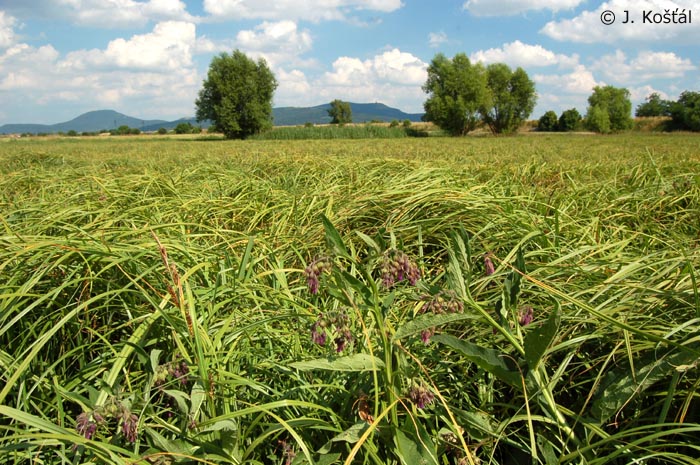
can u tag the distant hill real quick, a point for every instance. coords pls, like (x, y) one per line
(284, 116)
(87, 122)
(361, 112)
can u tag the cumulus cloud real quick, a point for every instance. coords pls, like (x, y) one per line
(7, 31)
(278, 42)
(588, 28)
(514, 7)
(168, 47)
(149, 71)
(646, 66)
(435, 39)
(103, 13)
(312, 10)
(519, 54)
(580, 81)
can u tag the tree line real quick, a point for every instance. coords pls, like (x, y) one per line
(462, 96)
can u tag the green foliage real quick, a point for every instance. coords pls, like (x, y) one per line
(654, 106)
(366, 131)
(237, 95)
(162, 131)
(187, 128)
(685, 113)
(570, 120)
(394, 123)
(72, 133)
(548, 122)
(456, 92)
(613, 101)
(340, 112)
(511, 98)
(154, 295)
(598, 120)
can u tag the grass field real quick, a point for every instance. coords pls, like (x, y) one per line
(529, 299)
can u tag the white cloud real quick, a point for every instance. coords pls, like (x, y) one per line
(168, 48)
(520, 54)
(393, 77)
(588, 28)
(578, 82)
(311, 10)
(149, 72)
(103, 13)
(278, 42)
(435, 39)
(645, 67)
(7, 32)
(514, 7)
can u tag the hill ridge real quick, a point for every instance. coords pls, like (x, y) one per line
(97, 120)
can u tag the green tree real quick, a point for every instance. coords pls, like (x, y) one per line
(511, 98)
(162, 131)
(340, 112)
(685, 113)
(569, 120)
(598, 119)
(237, 95)
(654, 106)
(457, 91)
(184, 128)
(616, 103)
(548, 122)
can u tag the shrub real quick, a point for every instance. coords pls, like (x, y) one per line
(162, 131)
(570, 120)
(685, 113)
(548, 122)
(598, 120)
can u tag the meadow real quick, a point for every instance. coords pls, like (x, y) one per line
(481, 300)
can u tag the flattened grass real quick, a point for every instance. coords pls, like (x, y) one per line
(609, 227)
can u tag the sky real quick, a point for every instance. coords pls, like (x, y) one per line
(148, 58)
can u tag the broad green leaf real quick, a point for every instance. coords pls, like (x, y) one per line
(335, 242)
(623, 387)
(547, 451)
(350, 435)
(493, 361)
(411, 452)
(180, 397)
(538, 339)
(197, 397)
(427, 321)
(356, 362)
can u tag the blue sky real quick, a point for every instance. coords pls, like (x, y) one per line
(147, 58)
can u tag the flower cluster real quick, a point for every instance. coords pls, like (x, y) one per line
(396, 267)
(174, 370)
(338, 324)
(489, 269)
(445, 301)
(313, 272)
(526, 315)
(129, 423)
(86, 424)
(420, 396)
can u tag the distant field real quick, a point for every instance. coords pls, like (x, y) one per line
(156, 304)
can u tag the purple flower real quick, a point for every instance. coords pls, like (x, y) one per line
(86, 424)
(313, 271)
(179, 371)
(420, 396)
(397, 267)
(344, 336)
(426, 334)
(526, 315)
(445, 301)
(488, 265)
(129, 426)
(318, 333)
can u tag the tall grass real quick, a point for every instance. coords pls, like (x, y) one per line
(365, 131)
(154, 306)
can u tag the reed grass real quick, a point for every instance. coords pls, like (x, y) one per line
(124, 261)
